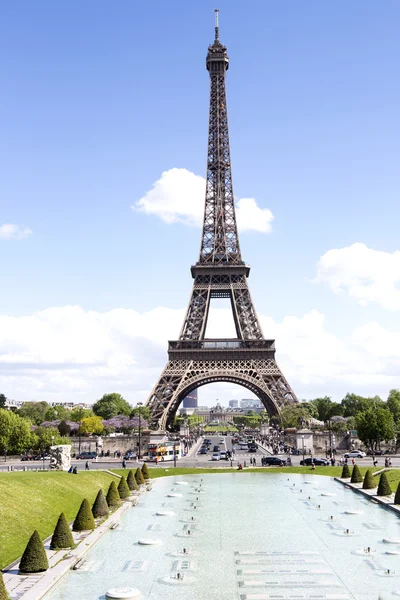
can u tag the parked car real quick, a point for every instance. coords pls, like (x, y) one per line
(275, 461)
(27, 457)
(375, 452)
(355, 454)
(318, 462)
(42, 457)
(222, 455)
(216, 449)
(130, 455)
(203, 451)
(86, 455)
(216, 456)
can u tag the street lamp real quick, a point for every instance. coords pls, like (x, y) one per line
(139, 405)
(302, 441)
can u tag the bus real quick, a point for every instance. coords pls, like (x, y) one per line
(164, 451)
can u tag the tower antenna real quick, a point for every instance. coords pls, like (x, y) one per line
(216, 25)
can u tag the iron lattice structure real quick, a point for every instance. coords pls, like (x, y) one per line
(248, 360)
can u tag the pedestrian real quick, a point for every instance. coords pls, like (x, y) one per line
(124, 464)
(254, 461)
(87, 466)
(353, 461)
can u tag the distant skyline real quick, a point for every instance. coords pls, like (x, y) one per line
(103, 147)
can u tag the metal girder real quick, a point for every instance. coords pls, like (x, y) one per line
(249, 360)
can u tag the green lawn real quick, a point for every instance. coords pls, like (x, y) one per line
(30, 501)
(219, 428)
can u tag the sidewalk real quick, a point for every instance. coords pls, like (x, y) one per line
(34, 587)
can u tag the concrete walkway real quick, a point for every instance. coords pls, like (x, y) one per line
(386, 501)
(34, 587)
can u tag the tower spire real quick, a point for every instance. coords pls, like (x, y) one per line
(216, 25)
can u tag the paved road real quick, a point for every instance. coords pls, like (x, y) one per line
(239, 456)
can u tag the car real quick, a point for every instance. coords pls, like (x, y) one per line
(216, 456)
(27, 457)
(129, 455)
(222, 441)
(216, 449)
(274, 461)
(86, 455)
(252, 447)
(354, 454)
(42, 457)
(376, 452)
(222, 455)
(203, 451)
(318, 462)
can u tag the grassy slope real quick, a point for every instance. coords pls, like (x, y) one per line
(30, 501)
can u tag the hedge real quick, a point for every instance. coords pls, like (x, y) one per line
(397, 495)
(123, 488)
(62, 536)
(369, 481)
(3, 591)
(345, 472)
(131, 481)
(384, 488)
(113, 497)
(100, 506)
(84, 519)
(356, 476)
(34, 558)
(145, 471)
(139, 477)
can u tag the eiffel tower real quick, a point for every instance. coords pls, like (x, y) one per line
(193, 360)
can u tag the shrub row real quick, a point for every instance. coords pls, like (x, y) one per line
(369, 483)
(34, 558)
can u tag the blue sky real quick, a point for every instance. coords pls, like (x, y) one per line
(98, 100)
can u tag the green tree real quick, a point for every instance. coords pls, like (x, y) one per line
(375, 426)
(295, 414)
(369, 481)
(78, 413)
(113, 497)
(326, 408)
(34, 558)
(84, 520)
(384, 488)
(3, 401)
(139, 477)
(92, 425)
(64, 429)
(345, 471)
(100, 506)
(57, 412)
(111, 405)
(353, 404)
(34, 411)
(143, 411)
(356, 476)
(42, 438)
(15, 432)
(123, 488)
(3, 592)
(62, 536)
(131, 481)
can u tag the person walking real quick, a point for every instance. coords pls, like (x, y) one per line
(87, 466)
(124, 464)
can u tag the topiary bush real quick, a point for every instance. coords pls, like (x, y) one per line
(345, 471)
(123, 489)
(145, 471)
(84, 519)
(62, 536)
(356, 476)
(139, 477)
(3, 591)
(369, 481)
(384, 488)
(100, 506)
(131, 481)
(397, 495)
(113, 498)
(34, 558)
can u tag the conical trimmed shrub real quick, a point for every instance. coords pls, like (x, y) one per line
(84, 519)
(369, 481)
(123, 489)
(3, 591)
(113, 498)
(100, 506)
(397, 495)
(34, 558)
(139, 477)
(131, 481)
(356, 476)
(62, 536)
(384, 488)
(145, 471)
(345, 471)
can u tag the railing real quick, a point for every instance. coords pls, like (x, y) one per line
(221, 344)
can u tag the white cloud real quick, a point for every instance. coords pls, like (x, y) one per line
(369, 276)
(178, 197)
(68, 353)
(9, 231)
